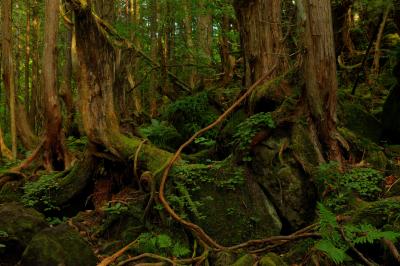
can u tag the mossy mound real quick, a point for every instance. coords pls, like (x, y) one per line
(379, 213)
(354, 117)
(11, 192)
(245, 260)
(17, 227)
(271, 259)
(58, 246)
(225, 200)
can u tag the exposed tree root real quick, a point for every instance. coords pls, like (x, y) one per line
(107, 261)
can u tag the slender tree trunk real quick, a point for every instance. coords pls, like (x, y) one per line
(377, 56)
(27, 54)
(320, 72)
(55, 156)
(205, 30)
(4, 150)
(8, 69)
(36, 107)
(227, 60)
(187, 23)
(154, 55)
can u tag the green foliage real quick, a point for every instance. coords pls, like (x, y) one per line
(365, 182)
(190, 178)
(55, 220)
(162, 134)
(246, 131)
(190, 114)
(115, 209)
(161, 244)
(76, 144)
(40, 193)
(335, 246)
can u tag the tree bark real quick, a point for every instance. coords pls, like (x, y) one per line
(320, 72)
(261, 37)
(187, 24)
(96, 56)
(55, 153)
(27, 54)
(8, 69)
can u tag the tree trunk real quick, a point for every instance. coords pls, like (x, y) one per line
(8, 69)
(96, 56)
(261, 37)
(36, 107)
(152, 94)
(205, 30)
(187, 23)
(320, 72)
(66, 87)
(27, 54)
(55, 154)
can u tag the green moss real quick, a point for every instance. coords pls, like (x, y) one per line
(245, 260)
(271, 259)
(58, 246)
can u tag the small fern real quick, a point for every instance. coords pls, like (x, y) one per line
(334, 246)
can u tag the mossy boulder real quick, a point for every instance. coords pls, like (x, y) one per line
(285, 179)
(245, 260)
(11, 192)
(56, 246)
(226, 201)
(271, 259)
(222, 258)
(17, 227)
(354, 117)
(379, 213)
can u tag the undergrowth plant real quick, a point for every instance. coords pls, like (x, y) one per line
(40, 193)
(246, 131)
(337, 239)
(161, 244)
(341, 188)
(190, 114)
(162, 134)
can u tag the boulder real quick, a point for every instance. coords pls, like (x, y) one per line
(17, 227)
(56, 246)
(226, 201)
(286, 180)
(357, 119)
(271, 259)
(245, 260)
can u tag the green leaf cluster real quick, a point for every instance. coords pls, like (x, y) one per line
(40, 194)
(246, 131)
(161, 244)
(362, 182)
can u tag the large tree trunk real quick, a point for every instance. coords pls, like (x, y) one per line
(8, 69)
(320, 72)
(261, 37)
(27, 54)
(96, 57)
(55, 154)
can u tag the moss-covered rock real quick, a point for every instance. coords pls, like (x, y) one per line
(18, 225)
(226, 201)
(379, 213)
(357, 119)
(284, 178)
(222, 258)
(11, 192)
(245, 260)
(271, 259)
(58, 246)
